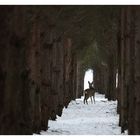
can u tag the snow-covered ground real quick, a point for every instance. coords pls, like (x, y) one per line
(82, 119)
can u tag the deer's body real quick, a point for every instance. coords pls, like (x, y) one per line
(89, 93)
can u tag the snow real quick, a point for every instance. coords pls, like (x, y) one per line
(82, 119)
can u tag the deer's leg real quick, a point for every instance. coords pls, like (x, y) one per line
(91, 99)
(94, 99)
(84, 93)
(86, 101)
(86, 98)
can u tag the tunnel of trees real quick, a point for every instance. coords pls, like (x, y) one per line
(45, 51)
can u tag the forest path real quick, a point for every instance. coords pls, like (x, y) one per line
(82, 119)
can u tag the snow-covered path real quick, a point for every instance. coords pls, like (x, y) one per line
(82, 119)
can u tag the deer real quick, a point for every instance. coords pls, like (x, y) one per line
(90, 92)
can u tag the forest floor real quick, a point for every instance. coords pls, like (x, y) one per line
(82, 119)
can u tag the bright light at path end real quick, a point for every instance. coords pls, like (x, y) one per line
(88, 77)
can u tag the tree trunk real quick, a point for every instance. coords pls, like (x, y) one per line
(137, 74)
(80, 80)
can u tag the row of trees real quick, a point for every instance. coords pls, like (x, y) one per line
(114, 56)
(37, 69)
(129, 69)
(119, 55)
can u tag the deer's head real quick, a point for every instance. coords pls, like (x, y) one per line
(90, 84)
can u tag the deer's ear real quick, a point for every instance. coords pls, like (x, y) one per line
(92, 82)
(88, 82)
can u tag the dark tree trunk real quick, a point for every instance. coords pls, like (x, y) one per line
(123, 86)
(80, 80)
(111, 91)
(137, 73)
